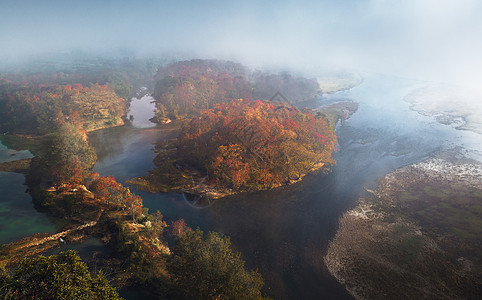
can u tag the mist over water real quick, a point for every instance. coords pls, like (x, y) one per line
(428, 40)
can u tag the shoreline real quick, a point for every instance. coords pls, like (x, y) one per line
(20, 166)
(339, 82)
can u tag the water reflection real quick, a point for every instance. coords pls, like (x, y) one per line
(141, 111)
(18, 218)
(127, 152)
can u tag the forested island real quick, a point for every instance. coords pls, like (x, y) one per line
(227, 143)
(243, 146)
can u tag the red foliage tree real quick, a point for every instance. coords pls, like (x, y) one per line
(105, 188)
(179, 228)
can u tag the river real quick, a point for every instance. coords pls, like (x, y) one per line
(285, 233)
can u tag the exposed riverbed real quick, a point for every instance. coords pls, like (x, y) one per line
(417, 236)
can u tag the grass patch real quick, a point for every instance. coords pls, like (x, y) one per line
(407, 197)
(410, 246)
(440, 194)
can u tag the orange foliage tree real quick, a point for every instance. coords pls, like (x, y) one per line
(250, 145)
(107, 189)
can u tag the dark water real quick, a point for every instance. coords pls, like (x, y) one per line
(285, 233)
(18, 218)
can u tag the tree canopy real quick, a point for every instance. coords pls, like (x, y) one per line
(62, 276)
(206, 267)
(253, 145)
(31, 108)
(185, 88)
(67, 157)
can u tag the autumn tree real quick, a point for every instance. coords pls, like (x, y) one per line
(185, 88)
(134, 206)
(229, 166)
(179, 228)
(251, 145)
(108, 190)
(41, 108)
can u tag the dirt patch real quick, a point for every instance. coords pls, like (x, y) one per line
(18, 166)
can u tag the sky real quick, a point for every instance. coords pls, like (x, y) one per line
(423, 39)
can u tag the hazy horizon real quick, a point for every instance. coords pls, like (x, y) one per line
(428, 40)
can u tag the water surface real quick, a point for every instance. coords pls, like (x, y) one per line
(18, 217)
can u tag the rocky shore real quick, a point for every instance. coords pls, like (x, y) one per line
(416, 236)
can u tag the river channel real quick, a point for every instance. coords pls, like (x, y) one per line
(283, 233)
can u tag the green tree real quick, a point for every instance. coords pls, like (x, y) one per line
(66, 159)
(62, 276)
(206, 267)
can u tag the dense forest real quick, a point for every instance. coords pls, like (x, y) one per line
(183, 89)
(63, 186)
(40, 109)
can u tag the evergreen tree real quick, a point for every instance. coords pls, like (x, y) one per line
(206, 267)
(62, 276)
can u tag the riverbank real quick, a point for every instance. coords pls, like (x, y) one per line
(415, 236)
(17, 166)
(13, 253)
(338, 112)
